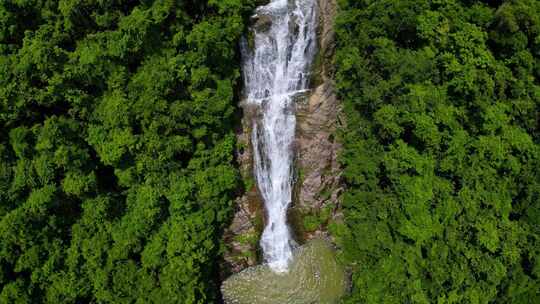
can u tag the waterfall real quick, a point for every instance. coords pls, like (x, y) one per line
(276, 70)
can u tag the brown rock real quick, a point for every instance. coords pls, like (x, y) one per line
(318, 184)
(262, 23)
(327, 35)
(242, 236)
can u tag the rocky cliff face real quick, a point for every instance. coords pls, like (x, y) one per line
(317, 188)
(242, 236)
(318, 184)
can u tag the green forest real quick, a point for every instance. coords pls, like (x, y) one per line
(117, 149)
(442, 150)
(116, 129)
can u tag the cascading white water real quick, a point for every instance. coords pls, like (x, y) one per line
(276, 70)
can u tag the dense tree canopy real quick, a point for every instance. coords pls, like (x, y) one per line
(116, 148)
(441, 149)
(117, 174)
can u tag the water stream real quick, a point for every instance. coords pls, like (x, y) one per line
(276, 70)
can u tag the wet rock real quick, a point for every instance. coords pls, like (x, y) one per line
(262, 22)
(242, 236)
